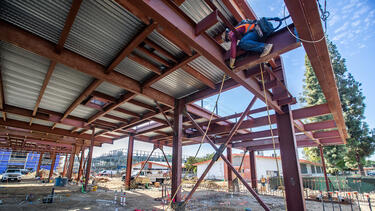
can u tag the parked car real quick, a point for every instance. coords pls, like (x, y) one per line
(371, 173)
(24, 171)
(12, 174)
(107, 173)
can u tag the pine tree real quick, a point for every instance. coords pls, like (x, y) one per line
(360, 143)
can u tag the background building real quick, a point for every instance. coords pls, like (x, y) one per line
(24, 160)
(265, 167)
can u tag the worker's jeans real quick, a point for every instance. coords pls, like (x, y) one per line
(249, 43)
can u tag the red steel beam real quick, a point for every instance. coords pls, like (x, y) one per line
(44, 86)
(129, 162)
(52, 166)
(46, 129)
(76, 4)
(253, 171)
(177, 151)
(306, 17)
(145, 63)
(80, 170)
(245, 8)
(89, 159)
(234, 9)
(131, 46)
(39, 164)
(324, 166)
(290, 162)
(170, 70)
(155, 57)
(42, 47)
(173, 19)
(199, 76)
(301, 113)
(159, 49)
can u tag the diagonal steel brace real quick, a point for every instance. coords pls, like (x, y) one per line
(218, 154)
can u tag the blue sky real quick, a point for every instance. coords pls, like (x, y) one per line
(350, 26)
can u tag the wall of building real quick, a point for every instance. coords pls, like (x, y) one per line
(265, 167)
(9, 159)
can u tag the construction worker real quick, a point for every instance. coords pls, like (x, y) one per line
(250, 41)
(263, 182)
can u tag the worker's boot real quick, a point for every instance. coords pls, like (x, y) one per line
(267, 49)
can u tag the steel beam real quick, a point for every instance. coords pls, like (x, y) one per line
(229, 172)
(172, 18)
(65, 164)
(290, 162)
(39, 163)
(89, 159)
(52, 166)
(80, 169)
(42, 47)
(71, 164)
(306, 17)
(177, 150)
(253, 170)
(129, 162)
(324, 166)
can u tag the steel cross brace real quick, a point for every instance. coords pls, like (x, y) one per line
(148, 158)
(219, 153)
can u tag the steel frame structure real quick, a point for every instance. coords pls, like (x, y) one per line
(163, 111)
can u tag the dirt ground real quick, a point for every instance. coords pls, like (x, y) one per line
(13, 196)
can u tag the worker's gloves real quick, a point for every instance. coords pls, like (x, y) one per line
(231, 62)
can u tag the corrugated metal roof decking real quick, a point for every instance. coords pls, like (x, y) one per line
(208, 69)
(63, 88)
(45, 19)
(134, 108)
(101, 30)
(110, 89)
(166, 44)
(83, 112)
(178, 84)
(133, 70)
(23, 74)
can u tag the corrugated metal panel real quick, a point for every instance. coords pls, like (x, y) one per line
(65, 127)
(63, 88)
(208, 69)
(101, 30)
(134, 108)
(42, 122)
(83, 112)
(198, 10)
(97, 130)
(166, 44)
(43, 18)
(110, 89)
(144, 99)
(109, 120)
(18, 117)
(133, 70)
(119, 114)
(23, 74)
(178, 84)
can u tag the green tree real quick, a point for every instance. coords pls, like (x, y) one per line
(359, 144)
(192, 160)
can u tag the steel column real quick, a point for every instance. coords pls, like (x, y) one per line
(52, 166)
(39, 163)
(129, 162)
(71, 164)
(80, 169)
(229, 172)
(253, 171)
(226, 161)
(290, 163)
(177, 149)
(64, 169)
(88, 167)
(324, 166)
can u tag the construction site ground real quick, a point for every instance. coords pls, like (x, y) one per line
(70, 197)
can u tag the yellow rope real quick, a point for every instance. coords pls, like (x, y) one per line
(273, 138)
(205, 133)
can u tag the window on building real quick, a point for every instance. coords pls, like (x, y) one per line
(312, 169)
(303, 169)
(318, 169)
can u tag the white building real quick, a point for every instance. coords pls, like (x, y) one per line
(265, 166)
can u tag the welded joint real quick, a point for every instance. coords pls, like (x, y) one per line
(219, 152)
